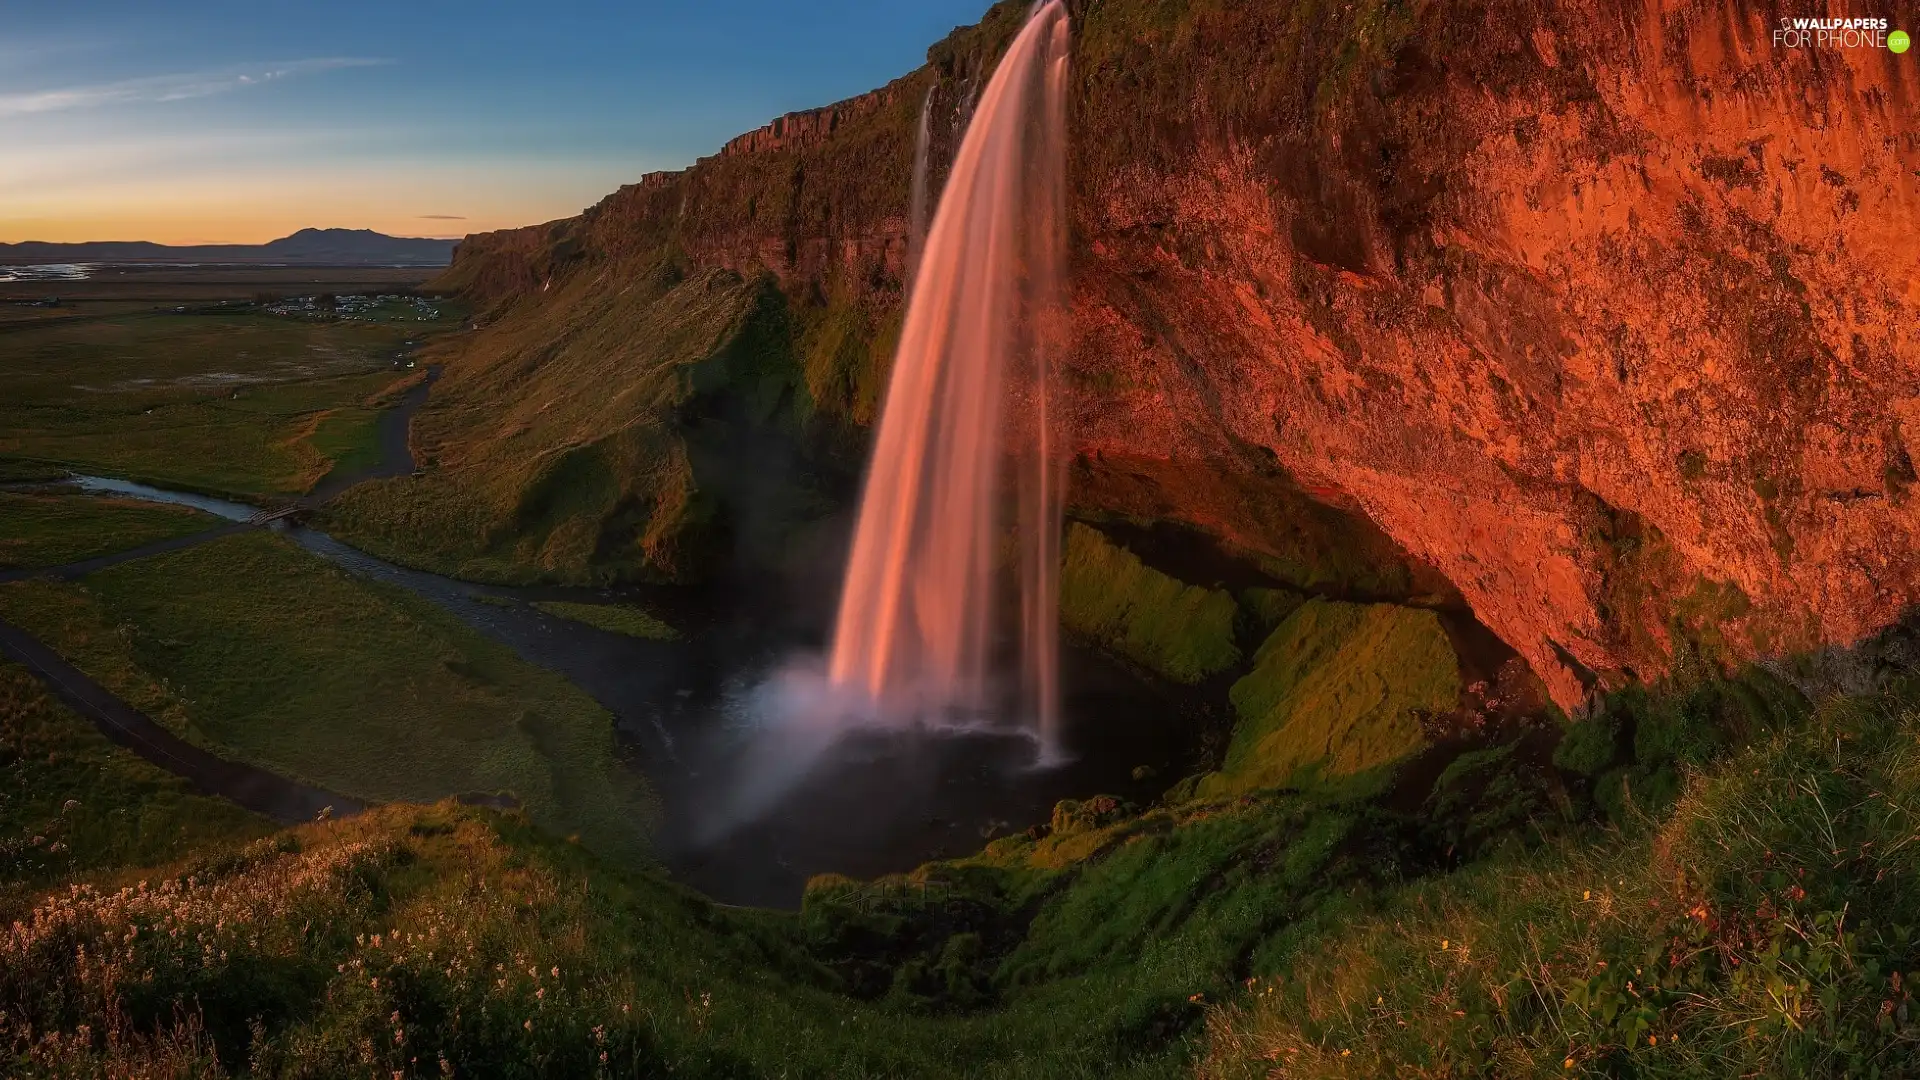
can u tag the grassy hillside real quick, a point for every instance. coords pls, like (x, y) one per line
(1765, 927)
(598, 433)
(1759, 923)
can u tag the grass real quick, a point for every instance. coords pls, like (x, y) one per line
(348, 438)
(1109, 596)
(72, 803)
(563, 445)
(614, 618)
(29, 472)
(1339, 688)
(1761, 925)
(253, 647)
(51, 529)
(1764, 928)
(222, 400)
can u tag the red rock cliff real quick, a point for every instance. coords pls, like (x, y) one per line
(1605, 309)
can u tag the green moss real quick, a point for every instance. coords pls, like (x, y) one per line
(1340, 689)
(1589, 745)
(1702, 616)
(615, 618)
(1177, 630)
(1269, 608)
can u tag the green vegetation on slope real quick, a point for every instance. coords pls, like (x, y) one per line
(1766, 928)
(1339, 688)
(48, 529)
(72, 803)
(229, 401)
(259, 650)
(615, 618)
(1762, 924)
(565, 443)
(1110, 597)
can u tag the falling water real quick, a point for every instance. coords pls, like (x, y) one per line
(914, 621)
(917, 224)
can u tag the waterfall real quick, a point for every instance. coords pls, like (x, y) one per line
(973, 366)
(917, 223)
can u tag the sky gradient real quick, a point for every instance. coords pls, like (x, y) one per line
(217, 122)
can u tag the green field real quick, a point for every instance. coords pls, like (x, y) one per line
(224, 399)
(252, 647)
(614, 618)
(72, 803)
(50, 529)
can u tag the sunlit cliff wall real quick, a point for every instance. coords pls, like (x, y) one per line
(1608, 311)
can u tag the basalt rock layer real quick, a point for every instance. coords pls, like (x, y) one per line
(1602, 309)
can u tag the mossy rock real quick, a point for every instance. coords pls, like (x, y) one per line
(1179, 631)
(1338, 689)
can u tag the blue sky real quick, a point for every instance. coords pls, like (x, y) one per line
(211, 121)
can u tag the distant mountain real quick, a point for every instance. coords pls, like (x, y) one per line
(308, 247)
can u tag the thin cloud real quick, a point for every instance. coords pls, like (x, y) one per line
(443, 217)
(159, 88)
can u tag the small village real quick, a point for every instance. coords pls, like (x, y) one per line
(357, 307)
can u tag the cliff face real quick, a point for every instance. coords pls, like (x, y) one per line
(1603, 309)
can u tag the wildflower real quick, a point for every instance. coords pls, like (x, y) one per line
(1346, 1053)
(1567, 1064)
(1444, 943)
(528, 1025)
(556, 972)
(1653, 1040)
(1588, 895)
